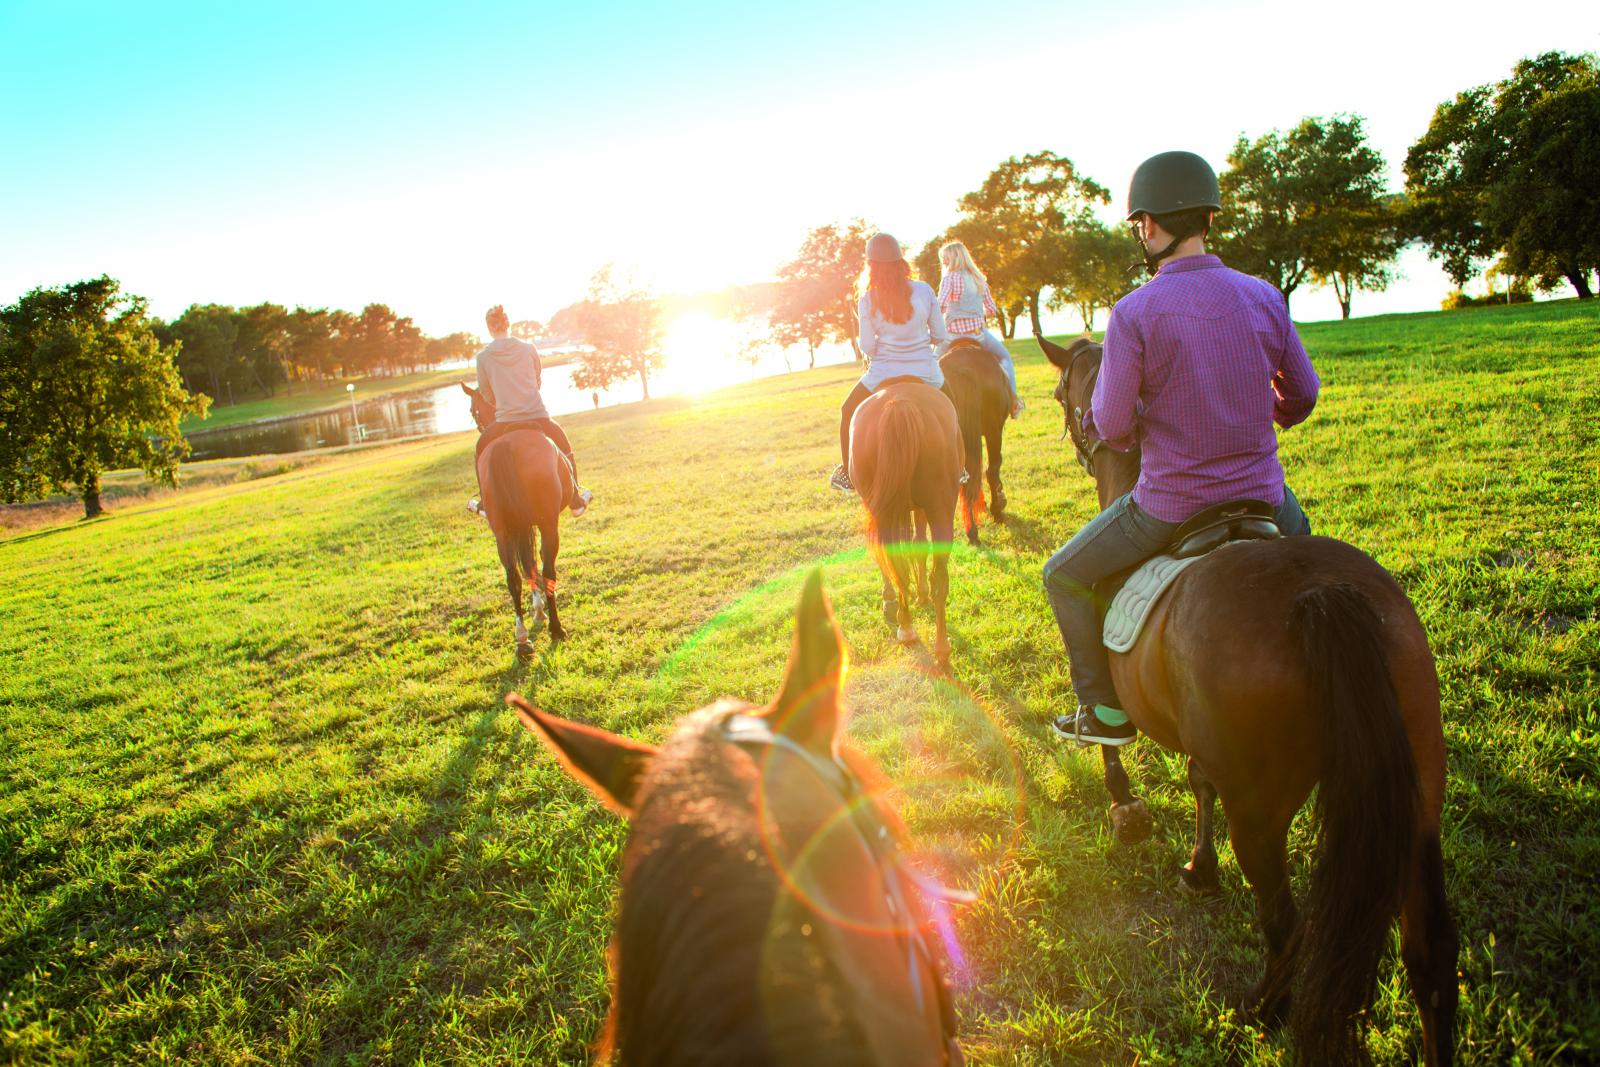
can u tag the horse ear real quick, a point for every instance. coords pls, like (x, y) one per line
(611, 766)
(465, 388)
(1054, 352)
(808, 708)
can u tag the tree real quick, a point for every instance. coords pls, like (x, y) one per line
(451, 348)
(1308, 205)
(86, 386)
(1015, 221)
(1514, 167)
(206, 335)
(816, 299)
(263, 344)
(1095, 271)
(526, 329)
(623, 324)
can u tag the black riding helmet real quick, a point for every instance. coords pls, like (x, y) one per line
(1173, 181)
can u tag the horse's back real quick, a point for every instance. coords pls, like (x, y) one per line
(524, 477)
(1222, 676)
(905, 436)
(969, 366)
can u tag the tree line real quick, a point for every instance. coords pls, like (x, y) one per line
(228, 352)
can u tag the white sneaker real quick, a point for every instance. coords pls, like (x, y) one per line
(581, 504)
(476, 507)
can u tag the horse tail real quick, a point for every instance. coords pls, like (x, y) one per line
(967, 390)
(1367, 806)
(512, 512)
(886, 489)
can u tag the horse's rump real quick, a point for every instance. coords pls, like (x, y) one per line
(904, 445)
(524, 477)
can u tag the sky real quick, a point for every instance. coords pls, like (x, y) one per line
(442, 158)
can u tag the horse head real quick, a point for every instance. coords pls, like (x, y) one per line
(482, 406)
(766, 915)
(1079, 366)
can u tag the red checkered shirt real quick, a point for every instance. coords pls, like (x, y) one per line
(951, 290)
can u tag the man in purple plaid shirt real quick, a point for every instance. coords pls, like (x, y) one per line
(1198, 365)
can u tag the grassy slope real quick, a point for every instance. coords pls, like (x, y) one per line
(260, 801)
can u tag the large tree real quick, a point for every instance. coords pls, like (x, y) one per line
(816, 300)
(207, 337)
(1016, 220)
(623, 324)
(1514, 168)
(1096, 269)
(86, 386)
(1307, 205)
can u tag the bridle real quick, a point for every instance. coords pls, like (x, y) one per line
(755, 735)
(1085, 446)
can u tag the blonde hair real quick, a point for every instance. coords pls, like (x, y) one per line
(953, 255)
(497, 320)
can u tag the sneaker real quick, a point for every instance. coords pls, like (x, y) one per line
(476, 508)
(581, 499)
(1017, 409)
(841, 480)
(1086, 729)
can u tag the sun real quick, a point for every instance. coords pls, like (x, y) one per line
(699, 350)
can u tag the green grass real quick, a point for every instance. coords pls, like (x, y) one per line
(261, 801)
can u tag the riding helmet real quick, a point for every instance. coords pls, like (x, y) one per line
(1173, 181)
(882, 248)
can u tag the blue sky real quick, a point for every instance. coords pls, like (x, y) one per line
(441, 158)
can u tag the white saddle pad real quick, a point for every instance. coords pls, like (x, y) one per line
(1131, 606)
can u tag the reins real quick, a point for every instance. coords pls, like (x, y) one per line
(1081, 443)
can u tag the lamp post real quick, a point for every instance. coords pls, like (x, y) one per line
(350, 387)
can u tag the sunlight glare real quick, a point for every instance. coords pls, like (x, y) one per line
(700, 352)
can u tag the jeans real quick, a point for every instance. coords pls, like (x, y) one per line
(996, 348)
(1119, 538)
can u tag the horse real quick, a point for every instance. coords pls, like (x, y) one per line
(767, 915)
(525, 482)
(905, 458)
(983, 400)
(1277, 666)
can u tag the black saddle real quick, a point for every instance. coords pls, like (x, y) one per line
(1237, 520)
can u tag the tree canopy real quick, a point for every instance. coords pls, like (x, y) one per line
(86, 386)
(816, 300)
(623, 324)
(1514, 168)
(1308, 205)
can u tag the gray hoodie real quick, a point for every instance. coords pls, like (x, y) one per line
(510, 372)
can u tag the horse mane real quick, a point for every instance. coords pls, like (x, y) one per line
(710, 962)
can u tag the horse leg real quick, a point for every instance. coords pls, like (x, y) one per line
(997, 495)
(1259, 848)
(1130, 818)
(943, 529)
(1201, 872)
(1428, 946)
(513, 569)
(919, 556)
(549, 545)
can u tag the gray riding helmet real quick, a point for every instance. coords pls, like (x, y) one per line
(882, 248)
(1172, 181)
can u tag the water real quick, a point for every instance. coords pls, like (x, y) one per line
(448, 410)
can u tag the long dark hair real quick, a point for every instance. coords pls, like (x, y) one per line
(889, 288)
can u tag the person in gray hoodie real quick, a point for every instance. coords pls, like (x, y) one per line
(509, 375)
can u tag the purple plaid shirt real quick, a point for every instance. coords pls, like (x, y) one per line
(1199, 363)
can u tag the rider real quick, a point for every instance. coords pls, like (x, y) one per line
(1198, 363)
(902, 334)
(509, 376)
(965, 300)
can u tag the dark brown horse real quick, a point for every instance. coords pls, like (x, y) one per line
(525, 483)
(905, 461)
(983, 400)
(1278, 666)
(766, 915)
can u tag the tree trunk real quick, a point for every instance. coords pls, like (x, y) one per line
(811, 354)
(1580, 282)
(855, 346)
(90, 486)
(1033, 313)
(1000, 314)
(644, 382)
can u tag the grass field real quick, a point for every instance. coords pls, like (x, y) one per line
(261, 801)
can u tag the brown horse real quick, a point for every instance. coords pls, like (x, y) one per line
(1278, 666)
(983, 400)
(766, 915)
(525, 483)
(905, 458)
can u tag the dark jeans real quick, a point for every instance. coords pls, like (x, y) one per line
(1120, 537)
(548, 427)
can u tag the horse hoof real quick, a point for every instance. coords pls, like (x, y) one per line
(906, 634)
(558, 633)
(1132, 822)
(524, 649)
(1202, 882)
(972, 538)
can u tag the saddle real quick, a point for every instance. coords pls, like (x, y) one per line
(1132, 594)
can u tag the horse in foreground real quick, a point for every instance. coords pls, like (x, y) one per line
(525, 482)
(983, 401)
(1278, 666)
(766, 915)
(905, 461)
